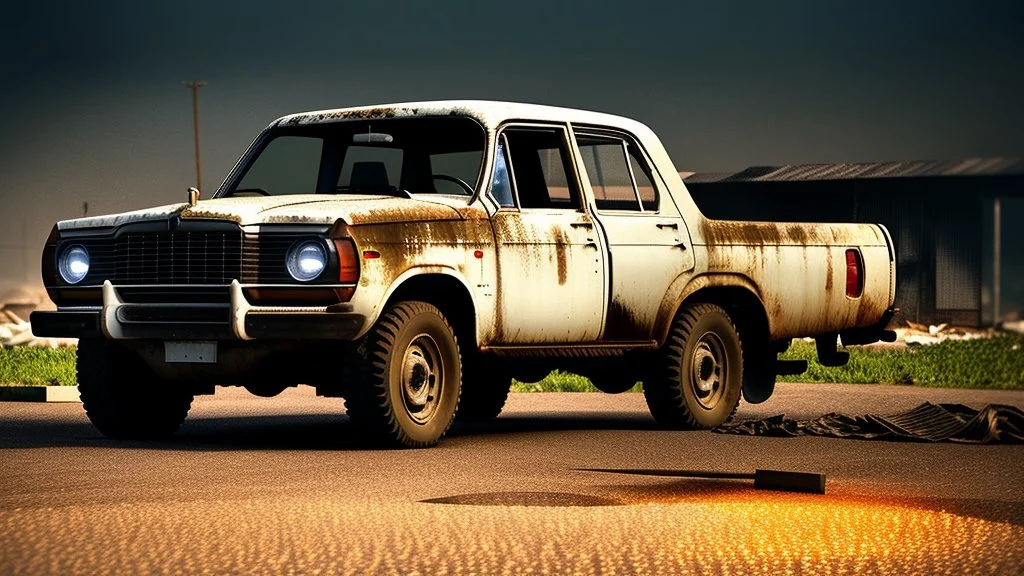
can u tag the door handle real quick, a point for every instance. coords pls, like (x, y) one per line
(581, 225)
(681, 246)
(592, 245)
(664, 225)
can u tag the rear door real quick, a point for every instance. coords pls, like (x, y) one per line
(648, 243)
(551, 286)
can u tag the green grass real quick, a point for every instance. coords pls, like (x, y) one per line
(37, 366)
(996, 363)
(559, 381)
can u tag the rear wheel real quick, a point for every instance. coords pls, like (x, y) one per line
(404, 377)
(698, 375)
(123, 397)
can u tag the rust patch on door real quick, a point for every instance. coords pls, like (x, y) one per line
(622, 323)
(561, 241)
(498, 334)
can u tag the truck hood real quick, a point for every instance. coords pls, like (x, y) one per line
(294, 209)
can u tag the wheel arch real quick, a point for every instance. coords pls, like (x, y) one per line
(737, 294)
(443, 287)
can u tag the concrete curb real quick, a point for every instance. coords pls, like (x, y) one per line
(39, 394)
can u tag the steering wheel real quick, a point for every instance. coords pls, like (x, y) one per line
(462, 183)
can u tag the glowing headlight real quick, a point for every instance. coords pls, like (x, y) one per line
(73, 264)
(306, 260)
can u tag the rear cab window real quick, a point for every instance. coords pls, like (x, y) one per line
(620, 178)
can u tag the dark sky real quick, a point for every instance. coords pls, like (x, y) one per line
(96, 110)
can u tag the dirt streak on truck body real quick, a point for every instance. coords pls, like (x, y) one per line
(793, 266)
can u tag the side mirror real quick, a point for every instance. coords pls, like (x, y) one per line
(193, 195)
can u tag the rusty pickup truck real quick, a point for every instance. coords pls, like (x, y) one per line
(415, 258)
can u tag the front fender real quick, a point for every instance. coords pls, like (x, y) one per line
(374, 312)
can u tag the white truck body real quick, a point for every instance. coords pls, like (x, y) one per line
(593, 269)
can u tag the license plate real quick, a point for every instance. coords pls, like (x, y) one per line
(190, 352)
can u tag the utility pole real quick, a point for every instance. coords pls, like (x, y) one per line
(24, 250)
(997, 260)
(195, 85)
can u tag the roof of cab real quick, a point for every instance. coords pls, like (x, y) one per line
(489, 113)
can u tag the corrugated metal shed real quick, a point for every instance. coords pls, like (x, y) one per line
(855, 171)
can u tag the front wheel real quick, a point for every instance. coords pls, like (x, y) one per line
(405, 376)
(121, 395)
(698, 375)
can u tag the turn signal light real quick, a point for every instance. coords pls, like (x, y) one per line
(348, 261)
(854, 273)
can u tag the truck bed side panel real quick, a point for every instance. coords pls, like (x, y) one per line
(800, 271)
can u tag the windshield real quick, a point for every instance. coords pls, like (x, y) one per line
(397, 156)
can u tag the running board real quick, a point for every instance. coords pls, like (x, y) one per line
(581, 350)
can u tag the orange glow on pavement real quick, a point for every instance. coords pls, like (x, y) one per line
(743, 531)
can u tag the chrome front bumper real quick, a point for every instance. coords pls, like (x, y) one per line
(238, 320)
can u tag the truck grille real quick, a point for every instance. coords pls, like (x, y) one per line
(193, 254)
(180, 257)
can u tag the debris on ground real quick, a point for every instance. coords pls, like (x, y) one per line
(15, 305)
(993, 424)
(14, 331)
(914, 333)
(1015, 326)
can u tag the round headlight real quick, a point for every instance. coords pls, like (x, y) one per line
(73, 264)
(306, 260)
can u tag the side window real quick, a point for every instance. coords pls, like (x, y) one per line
(541, 168)
(604, 159)
(288, 165)
(501, 185)
(642, 175)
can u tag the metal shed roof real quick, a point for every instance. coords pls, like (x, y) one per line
(855, 171)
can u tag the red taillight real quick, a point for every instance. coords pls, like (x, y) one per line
(854, 273)
(348, 261)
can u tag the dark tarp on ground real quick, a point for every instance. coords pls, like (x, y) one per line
(995, 423)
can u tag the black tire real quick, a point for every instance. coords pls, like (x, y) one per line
(121, 395)
(758, 373)
(394, 393)
(485, 387)
(698, 374)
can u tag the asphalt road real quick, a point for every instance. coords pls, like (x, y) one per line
(282, 485)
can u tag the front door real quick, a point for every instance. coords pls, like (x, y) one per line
(648, 243)
(551, 285)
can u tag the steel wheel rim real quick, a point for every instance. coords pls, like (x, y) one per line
(709, 368)
(422, 378)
